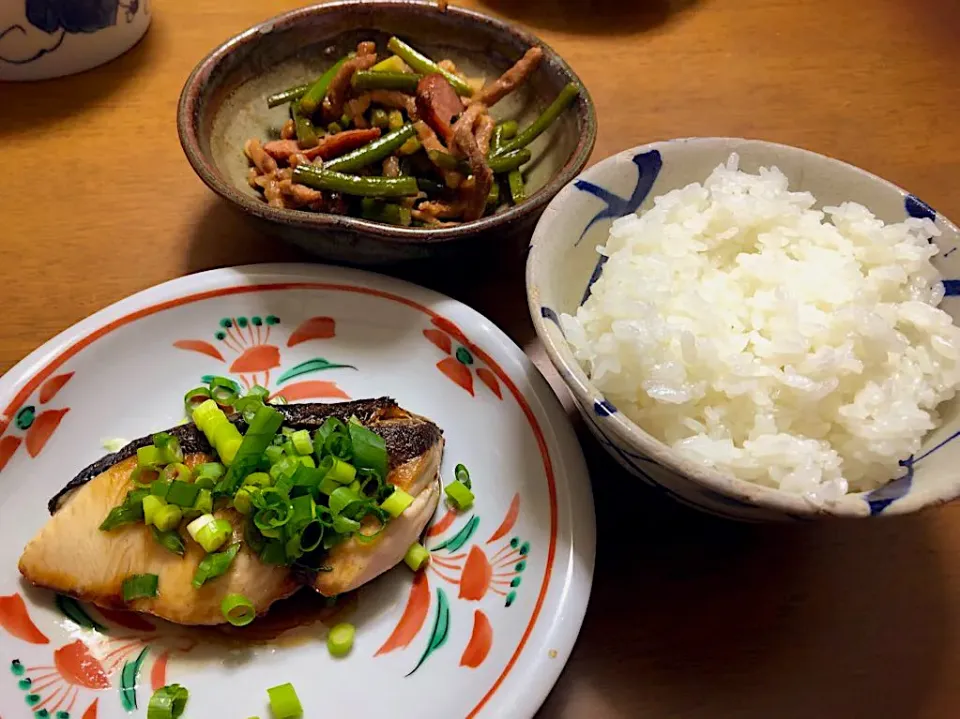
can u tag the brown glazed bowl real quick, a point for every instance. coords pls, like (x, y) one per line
(223, 104)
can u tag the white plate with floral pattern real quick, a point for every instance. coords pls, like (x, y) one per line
(485, 631)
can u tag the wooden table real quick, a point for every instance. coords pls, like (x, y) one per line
(690, 617)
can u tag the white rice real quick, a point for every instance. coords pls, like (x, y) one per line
(779, 344)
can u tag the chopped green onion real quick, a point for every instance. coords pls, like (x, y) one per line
(250, 449)
(286, 467)
(303, 510)
(151, 504)
(194, 398)
(220, 433)
(215, 565)
(258, 391)
(396, 503)
(168, 517)
(345, 525)
(238, 610)
(167, 702)
(169, 540)
(143, 475)
(203, 504)
(462, 475)
(328, 486)
(209, 470)
(310, 536)
(284, 702)
(209, 532)
(175, 471)
(340, 639)
(149, 457)
(270, 519)
(160, 488)
(458, 493)
(223, 391)
(129, 512)
(273, 453)
(182, 494)
(114, 444)
(169, 446)
(257, 479)
(307, 461)
(243, 499)
(416, 557)
(342, 498)
(338, 470)
(274, 553)
(140, 586)
(302, 442)
(369, 449)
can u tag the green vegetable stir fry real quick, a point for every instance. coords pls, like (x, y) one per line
(402, 140)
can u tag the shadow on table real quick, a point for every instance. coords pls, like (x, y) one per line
(34, 106)
(693, 616)
(494, 285)
(591, 17)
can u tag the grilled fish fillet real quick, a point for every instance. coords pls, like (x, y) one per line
(71, 555)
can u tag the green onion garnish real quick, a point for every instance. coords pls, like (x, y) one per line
(140, 586)
(209, 532)
(167, 518)
(302, 442)
(416, 557)
(369, 449)
(214, 565)
(130, 512)
(194, 398)
(341, 499)
(284, 702)
(273, 453)
(461, 497)
(462, 475)
(223, 391)
(151, 505)
(182, 494)
(178, 470)
(169, 540)
(238, 610)
(250, 448)
(243, 499)
(220, 433)
(340, 639)
(209, 470)
(159, 488)
(337, 470)
(396, 503)
(149, 457)
(167, 702)
(143, 475)
(169, 447)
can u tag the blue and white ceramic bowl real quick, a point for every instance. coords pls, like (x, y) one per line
(41, 39)
(564, 262)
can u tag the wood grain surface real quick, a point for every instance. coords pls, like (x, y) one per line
(690, 617)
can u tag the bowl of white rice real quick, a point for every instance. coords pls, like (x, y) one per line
(756, 330)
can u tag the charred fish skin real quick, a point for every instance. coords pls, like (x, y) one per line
(405, 439)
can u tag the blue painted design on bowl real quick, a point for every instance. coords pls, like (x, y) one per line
(603, 408)
(916, 207)
(951, 288)
(648, 167)
(548, 313)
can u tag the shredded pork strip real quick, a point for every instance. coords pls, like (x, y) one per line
(254, 150)
(510, 80)
(482, 174)
(391, 166)
(355, 109)
(484, 131)
(340, 84)
(288, 131)
(395, 100)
